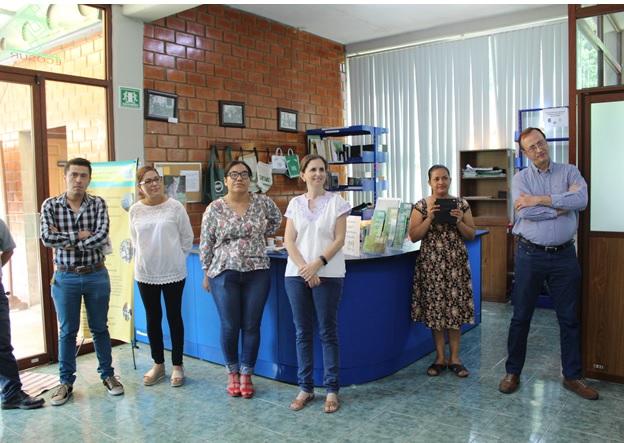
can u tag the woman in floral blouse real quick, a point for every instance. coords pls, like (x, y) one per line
(236, 270)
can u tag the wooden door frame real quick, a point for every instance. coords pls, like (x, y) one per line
(586, 99)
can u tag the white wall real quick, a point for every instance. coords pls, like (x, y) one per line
(127, 52)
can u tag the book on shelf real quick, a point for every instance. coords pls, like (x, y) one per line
(471, 172)
(330, 150)
(375, 242)
(403, 218)
(390, 225)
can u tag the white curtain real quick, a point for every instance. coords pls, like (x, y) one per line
(439, 99)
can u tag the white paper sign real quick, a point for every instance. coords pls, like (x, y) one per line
(192, 180)
(555, 117)
(352, 236)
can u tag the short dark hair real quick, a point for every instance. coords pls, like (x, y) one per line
(78, 161)
(526, 132)
(237, 162)
(434, 167)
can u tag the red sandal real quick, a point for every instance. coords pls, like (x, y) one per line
(246, 386)
(233, 386)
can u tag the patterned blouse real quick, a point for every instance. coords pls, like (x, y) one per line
(231, 242)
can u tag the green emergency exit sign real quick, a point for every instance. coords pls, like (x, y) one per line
(129, 98)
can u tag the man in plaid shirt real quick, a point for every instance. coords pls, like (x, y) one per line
(75, 224)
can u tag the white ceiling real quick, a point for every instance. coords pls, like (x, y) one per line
(365, 27)
(349, 24)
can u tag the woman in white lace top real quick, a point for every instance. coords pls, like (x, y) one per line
(162, 235)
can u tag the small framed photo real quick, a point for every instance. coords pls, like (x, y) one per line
(231, 114)
(161, 106)
(287, 120)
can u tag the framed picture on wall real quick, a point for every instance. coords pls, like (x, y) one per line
(231, 114)
(287, 120)
(161, 105)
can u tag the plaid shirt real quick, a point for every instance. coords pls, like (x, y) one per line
(92, 216)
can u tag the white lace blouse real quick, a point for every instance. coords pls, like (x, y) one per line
(315, 231)
(163, 237)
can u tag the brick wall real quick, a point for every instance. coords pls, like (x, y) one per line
(215, 52)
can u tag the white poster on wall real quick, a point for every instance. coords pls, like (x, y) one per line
(555, 117)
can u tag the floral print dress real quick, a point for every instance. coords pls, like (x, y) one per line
(442, 281)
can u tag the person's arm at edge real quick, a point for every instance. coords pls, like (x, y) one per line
(274, 217)
(6, 256)
(466, 225)
(419, 225)
(206, 244)
(186, 231)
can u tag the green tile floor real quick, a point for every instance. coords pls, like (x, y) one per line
(407, 406)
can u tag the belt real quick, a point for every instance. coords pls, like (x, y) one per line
(81, 269)
(547, 248)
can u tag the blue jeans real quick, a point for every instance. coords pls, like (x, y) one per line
(304, 301)
(9, 373)
(67, 292)
(562, 273)
(240, 298)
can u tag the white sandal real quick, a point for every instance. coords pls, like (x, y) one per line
(153, 376)
(177, 377)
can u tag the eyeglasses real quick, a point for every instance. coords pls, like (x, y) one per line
(539, 145)
(149, 181)
(234, 175)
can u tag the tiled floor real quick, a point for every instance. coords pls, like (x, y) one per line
(408, 406)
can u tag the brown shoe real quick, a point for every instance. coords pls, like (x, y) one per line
(581, 388)
(509, 383)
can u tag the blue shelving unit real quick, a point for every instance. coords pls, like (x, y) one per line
(521, 112)
(374, 157)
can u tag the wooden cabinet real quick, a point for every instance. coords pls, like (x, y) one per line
(489, 196)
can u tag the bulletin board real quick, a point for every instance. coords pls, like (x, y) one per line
(193, 174)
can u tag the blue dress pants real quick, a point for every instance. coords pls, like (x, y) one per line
(562, 273)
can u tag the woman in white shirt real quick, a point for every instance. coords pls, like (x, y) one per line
(315, 233)
(162, 235)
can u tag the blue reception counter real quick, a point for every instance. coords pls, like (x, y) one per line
(377, 336)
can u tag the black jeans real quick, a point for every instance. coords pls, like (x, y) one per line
(9, 373)
(150, 294)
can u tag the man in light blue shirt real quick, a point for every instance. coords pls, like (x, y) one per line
(547, 197)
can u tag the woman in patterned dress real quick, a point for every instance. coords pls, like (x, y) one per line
(442, 283)
(233, 255)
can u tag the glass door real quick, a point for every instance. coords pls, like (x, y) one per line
(20, 160)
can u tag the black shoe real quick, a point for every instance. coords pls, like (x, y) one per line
(21, 400)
